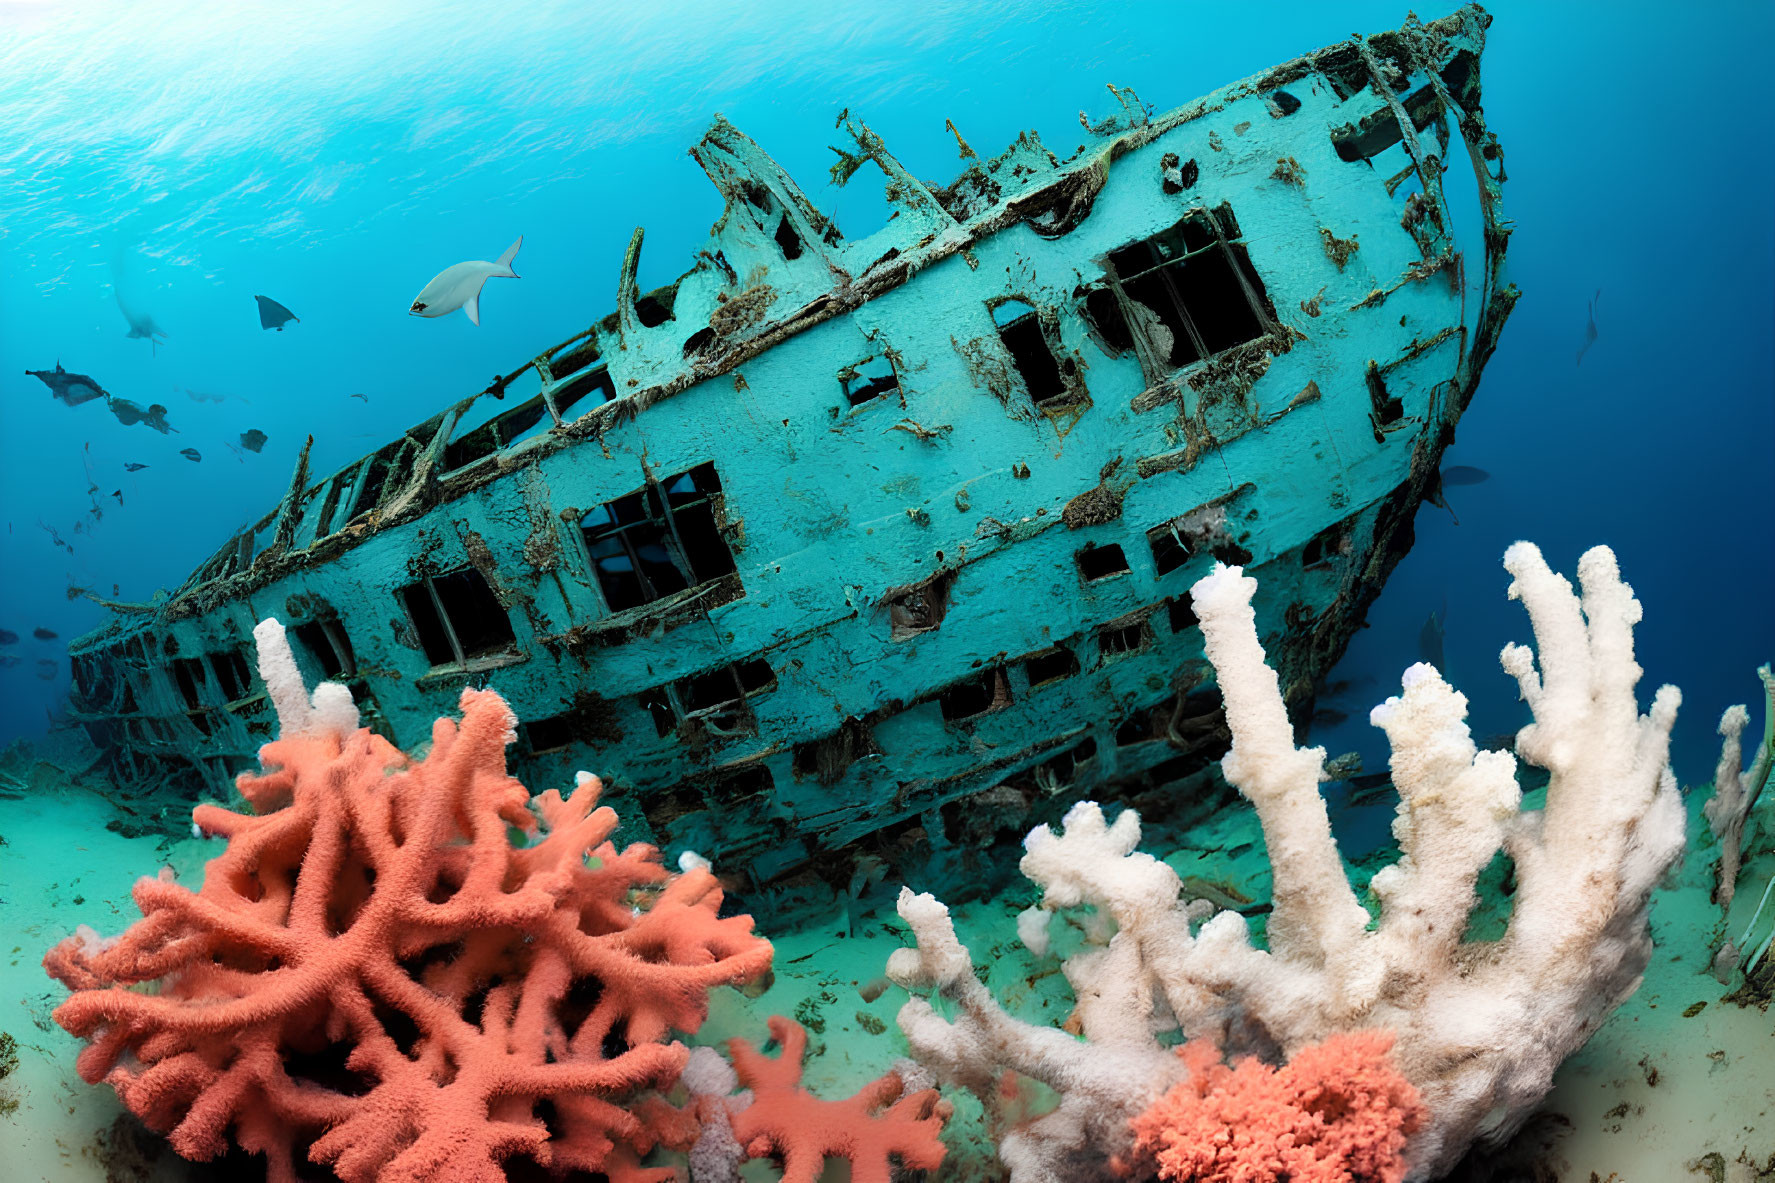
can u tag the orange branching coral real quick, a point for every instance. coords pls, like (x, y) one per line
(785, 1120)
(374, 975)
(1338, 1112)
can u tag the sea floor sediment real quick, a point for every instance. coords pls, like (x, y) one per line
(1679, 1083)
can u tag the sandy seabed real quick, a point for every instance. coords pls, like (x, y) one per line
(1678, 1085)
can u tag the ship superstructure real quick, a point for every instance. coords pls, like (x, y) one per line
(836, 548)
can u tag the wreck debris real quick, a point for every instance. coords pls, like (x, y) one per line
(1338, 250)
(741, 568)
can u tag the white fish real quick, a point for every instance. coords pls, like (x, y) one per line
(460, 286)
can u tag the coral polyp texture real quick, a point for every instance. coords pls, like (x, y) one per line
(1478, 1026)
(1336, 1112)
(376, 975)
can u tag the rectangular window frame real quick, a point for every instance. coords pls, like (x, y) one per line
(1136, 313)
(660, 516)
(461, 659)
(862, 382)
(668, 705)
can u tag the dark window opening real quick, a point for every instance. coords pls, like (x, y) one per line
(788, 240)
(976, 695)
(1180, 767)
(1285, 102)
(667, 806)
(1182, 611)
(1170, 550)
(232, 674)
(1202, 703)
(757, 195)
(655, 308)
(919, 609)
(1136, 728)
(1103, 313)
(327, 641)
(868, 379)
(1020, 328)
(1061, 769)
(1194, 286)
(750, 782)
(1051, 666)
(457, 617)
(1322, 547)
(549, 735)
(719, 697)
(659, 541)
(370, 711)
(992, 817)
(828, 758)
(188, 673)
(1115, 640)
(659, 707)
(1101, 562)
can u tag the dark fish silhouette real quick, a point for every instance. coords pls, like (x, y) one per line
(72, 389)
(7, 661)
(1329, 716)
(191, 454)
(199, 396)
(118, 493)
(1464, 474)
(1455, 475)
(1345, 685)
(132, 466)
(273, 315)
(129, 414)
(8, 637)
(1589, 329)
(252, 439)
(46, 669)
(1430, 639)
(43, 634)
(1369, 787)
(365, 397)
(141, 324)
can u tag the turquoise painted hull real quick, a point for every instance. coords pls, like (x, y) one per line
(840, 558)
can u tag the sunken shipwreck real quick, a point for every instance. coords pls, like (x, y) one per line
(839, 558)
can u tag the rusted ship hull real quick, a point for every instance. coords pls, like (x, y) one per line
(838, 548)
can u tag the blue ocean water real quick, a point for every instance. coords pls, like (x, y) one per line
(180, 159)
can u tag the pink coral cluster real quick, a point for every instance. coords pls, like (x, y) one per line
(374, 975)
(1337, 1112)
(881, 1123)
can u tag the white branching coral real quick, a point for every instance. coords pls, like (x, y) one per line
(329, 709)
(1735, 790)
(1480, 1025)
